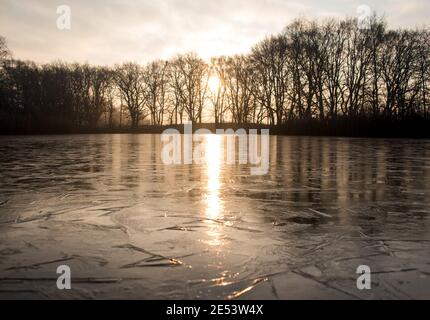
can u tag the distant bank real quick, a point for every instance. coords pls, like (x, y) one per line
(406, 128)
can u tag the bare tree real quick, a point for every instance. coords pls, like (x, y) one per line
(130, 81)
(218, 98)
(190, 84)
(100, 80)
(239, 83)
(156, 78)
(313, 72)
(4, 55)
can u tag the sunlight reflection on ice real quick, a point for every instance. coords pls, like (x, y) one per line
(214, 205)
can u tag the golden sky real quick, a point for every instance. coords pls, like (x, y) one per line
(113, 31)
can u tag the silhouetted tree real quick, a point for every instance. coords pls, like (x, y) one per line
(218, 98)
(156, 78)
(130, 81)
(312, 72)
(190, 85)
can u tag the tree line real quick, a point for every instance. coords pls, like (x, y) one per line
(319, 72)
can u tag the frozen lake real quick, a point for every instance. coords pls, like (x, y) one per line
(131, 227)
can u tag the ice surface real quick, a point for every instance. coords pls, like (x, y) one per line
(131, 227)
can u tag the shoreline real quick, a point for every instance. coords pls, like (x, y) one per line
(343, 129)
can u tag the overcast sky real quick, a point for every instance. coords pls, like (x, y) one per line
(112, 31)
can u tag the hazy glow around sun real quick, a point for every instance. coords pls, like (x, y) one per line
(214, 84)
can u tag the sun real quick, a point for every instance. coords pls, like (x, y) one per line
(214, 83)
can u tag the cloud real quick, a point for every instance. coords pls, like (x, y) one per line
(113, 31)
